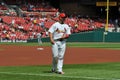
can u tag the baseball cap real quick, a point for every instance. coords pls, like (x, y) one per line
(62, 15)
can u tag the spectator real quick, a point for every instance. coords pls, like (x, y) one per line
(39, 35)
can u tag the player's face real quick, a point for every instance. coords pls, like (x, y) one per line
(62, 20)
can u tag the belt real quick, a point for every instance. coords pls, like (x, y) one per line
(59, 39)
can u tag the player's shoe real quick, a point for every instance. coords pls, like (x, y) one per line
(53, 71)
(61, 72)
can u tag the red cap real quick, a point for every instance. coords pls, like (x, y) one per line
(62, 15)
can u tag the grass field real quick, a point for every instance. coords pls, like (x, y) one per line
(73, 44)
(106, 71)
(102, 71)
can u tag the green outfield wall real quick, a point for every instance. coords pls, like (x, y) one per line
(112, 37)
(93, 36)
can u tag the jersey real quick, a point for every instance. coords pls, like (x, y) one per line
(38, 35)
(58, 30)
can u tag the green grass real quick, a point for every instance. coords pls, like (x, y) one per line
(95, 45)
(106, 71)
(73, 44)
(26, 44)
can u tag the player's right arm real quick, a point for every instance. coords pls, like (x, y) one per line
(51, 38)
(51, 31)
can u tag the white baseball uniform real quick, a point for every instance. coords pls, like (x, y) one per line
(58, 49)
(39, 38)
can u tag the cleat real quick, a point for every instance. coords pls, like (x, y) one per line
(61, 73)
(53, 71)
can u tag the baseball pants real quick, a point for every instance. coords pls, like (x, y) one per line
(58, 51)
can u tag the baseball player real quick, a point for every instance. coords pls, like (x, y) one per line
(58, 34)
(39, 35)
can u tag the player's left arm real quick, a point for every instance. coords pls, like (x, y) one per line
(67, 33)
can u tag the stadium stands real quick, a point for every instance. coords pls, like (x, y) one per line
(37, 19)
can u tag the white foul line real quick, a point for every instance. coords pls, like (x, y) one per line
(50, 75)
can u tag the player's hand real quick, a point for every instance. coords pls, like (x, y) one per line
(65, 36)
(52, 42)
(51, 38)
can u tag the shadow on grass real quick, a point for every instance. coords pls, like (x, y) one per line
(46, 71)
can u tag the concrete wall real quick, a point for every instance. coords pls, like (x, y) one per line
(72, 8)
